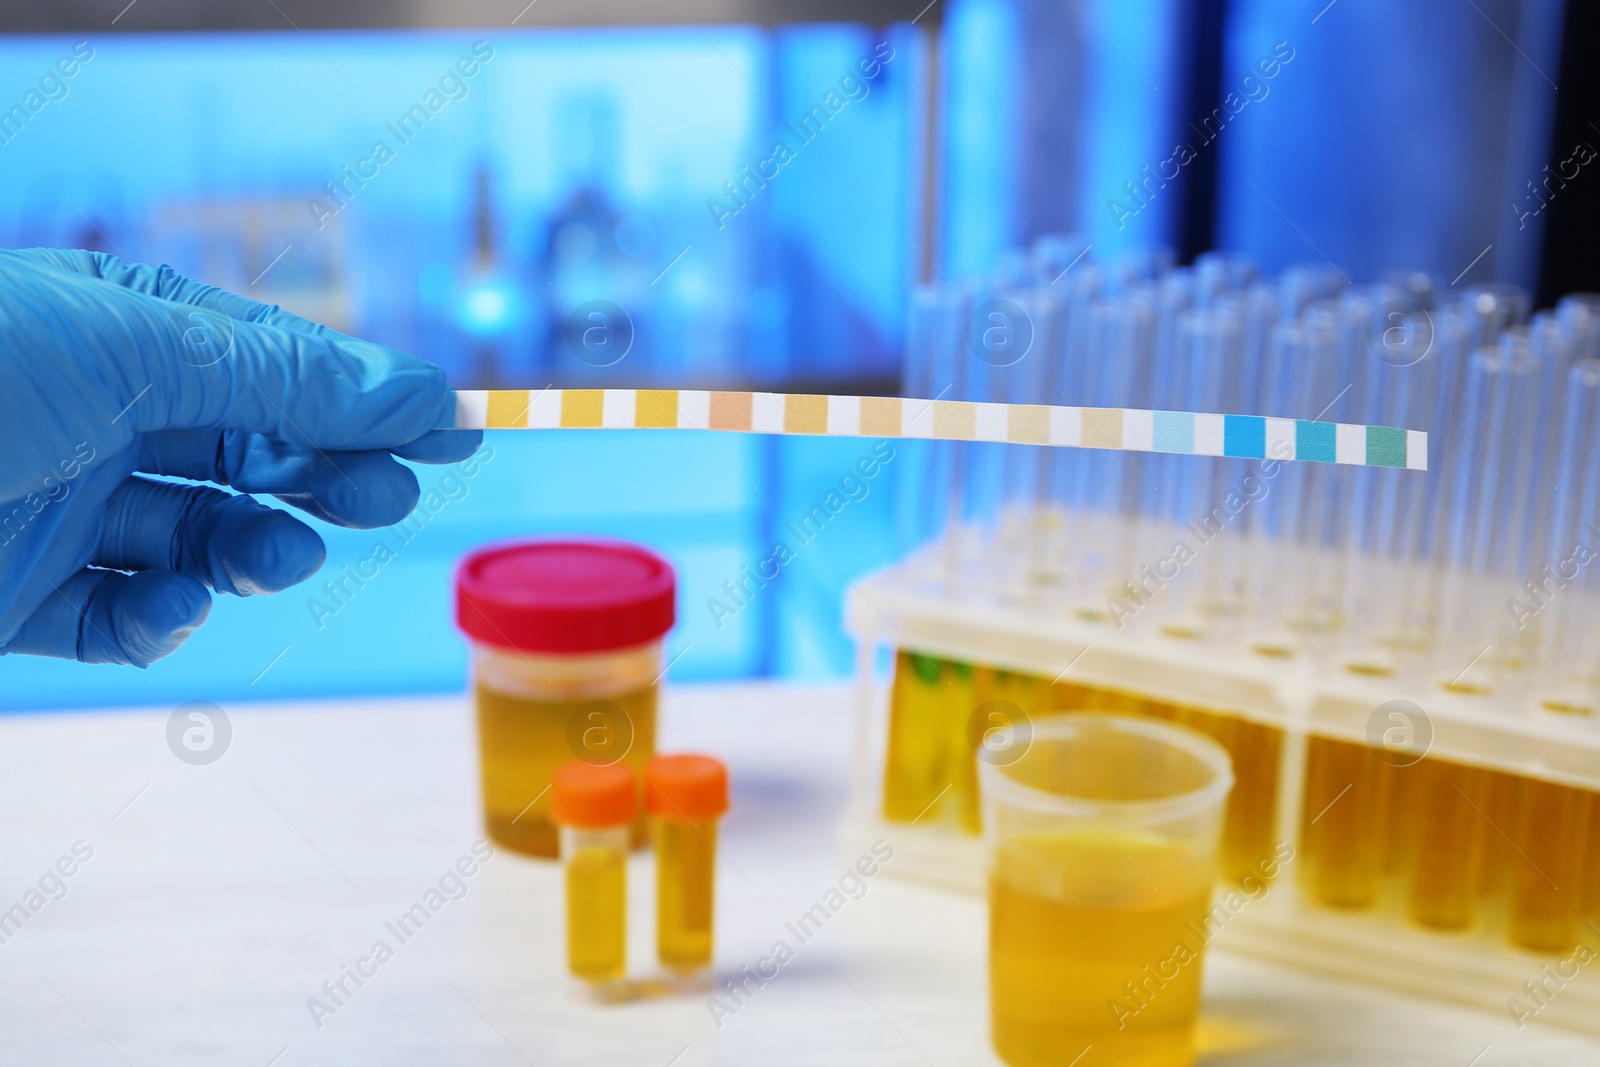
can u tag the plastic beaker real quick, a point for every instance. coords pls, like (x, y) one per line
(1102, 836)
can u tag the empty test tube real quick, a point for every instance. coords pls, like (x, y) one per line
(1304, 284)
(1220, 272)
(1494, 308)
(686, 796)
(1497, 489)
(1569, 643)
(1579, 316)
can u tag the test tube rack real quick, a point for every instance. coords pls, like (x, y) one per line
(1296, 699)
(1405, 669)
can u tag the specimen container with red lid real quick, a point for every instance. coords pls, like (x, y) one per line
(566, 651)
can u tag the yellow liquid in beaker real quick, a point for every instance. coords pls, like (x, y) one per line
(597, 916)
(686, 858)
(521, 743)
(1096, 941)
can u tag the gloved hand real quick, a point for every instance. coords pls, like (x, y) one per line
(107, 369)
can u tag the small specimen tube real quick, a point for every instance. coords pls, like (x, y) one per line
(593, 806)
(686, 796)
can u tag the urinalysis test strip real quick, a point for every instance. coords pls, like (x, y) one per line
(1130, 429)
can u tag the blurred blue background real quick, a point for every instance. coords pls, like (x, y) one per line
(589, 164)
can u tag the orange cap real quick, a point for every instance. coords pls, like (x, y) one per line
(590, 797)
(686, 788)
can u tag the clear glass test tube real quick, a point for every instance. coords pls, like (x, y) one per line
(1492, 308)
(1221, 271)
(1403, 391)
(1579, 316)
(1490, 528)
(1303, 284)
(1570, 582)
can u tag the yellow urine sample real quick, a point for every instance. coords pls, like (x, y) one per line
(1249, 830)
(1549, 895)
(1502, 794)
(1001, 700)
(686, 854)
(521, 742)
(1070, 696)
(926, 752)
(1096, 941)
(597, 912)
(1591, 881)
(1446, 841)
(1344, 809)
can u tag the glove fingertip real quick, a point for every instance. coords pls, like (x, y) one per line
(274, 552)
(441, 446)
(143, 618)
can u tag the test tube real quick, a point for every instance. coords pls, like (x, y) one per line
(1418, 288)
(1194, 488)
(1568, 645)
(1055, 255)
(1304, 284)
(1066, 361)
(1493, 308)
(1221, 271)
(685, 795)
(1403, 390)
(1554, 832)
(1497, 486)
(594, 805)
(927, 696)
(1138, 267)
(1579, 316)
(1119, 343)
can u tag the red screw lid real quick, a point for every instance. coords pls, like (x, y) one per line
(566, 596)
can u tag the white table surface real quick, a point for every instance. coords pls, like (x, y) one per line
(219, 898)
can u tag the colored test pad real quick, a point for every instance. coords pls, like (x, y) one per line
(1131, 429)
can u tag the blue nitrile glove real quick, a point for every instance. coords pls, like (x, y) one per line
(107, 369)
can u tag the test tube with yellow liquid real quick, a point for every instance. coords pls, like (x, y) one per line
(1004, 701)
(928, 708)
(594, 807)
(1102, 836)
(1549, 899)
(1448, 829)
(1249, 834)
(1345, 807)
(686, 796)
